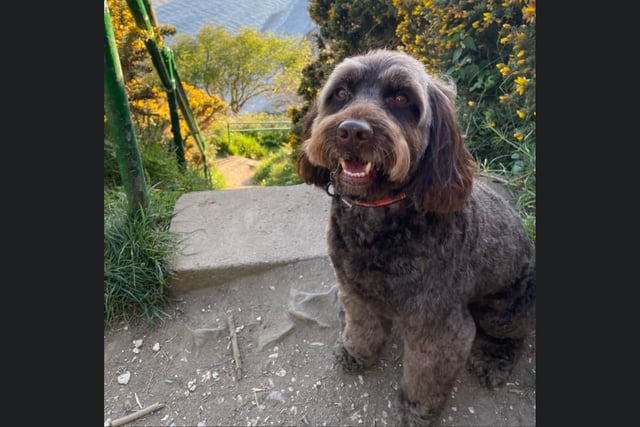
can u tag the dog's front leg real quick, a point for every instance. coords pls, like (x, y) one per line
(433, 357)
(363, 336)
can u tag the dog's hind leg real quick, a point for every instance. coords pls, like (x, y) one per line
(363, 336)
(433, 357)
(503, 321)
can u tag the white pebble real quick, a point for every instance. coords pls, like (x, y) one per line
(156, 347)
(124, 378)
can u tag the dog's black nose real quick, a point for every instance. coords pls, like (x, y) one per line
(354, 131)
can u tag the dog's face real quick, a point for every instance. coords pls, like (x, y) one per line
(381, 125)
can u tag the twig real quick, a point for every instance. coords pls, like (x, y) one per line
(138, 414)
(234, 344)
(138, 400)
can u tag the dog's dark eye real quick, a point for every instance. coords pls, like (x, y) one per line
(399, 100)
(341, 94)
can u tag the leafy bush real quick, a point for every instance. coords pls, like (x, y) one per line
(240, 145)
(161, 170)
(271, 140)
(277, 169)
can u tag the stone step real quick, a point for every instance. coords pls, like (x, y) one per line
(225, 234)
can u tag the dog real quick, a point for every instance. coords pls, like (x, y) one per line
(414, 238)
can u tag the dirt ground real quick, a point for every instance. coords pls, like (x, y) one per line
(285, 325)
(237, 170)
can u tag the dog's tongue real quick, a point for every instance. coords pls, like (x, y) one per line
(354, 166)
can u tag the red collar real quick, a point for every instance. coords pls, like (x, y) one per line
(378, 203)
(382, 202)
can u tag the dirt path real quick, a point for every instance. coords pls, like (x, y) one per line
(238, 171)
(285, 324)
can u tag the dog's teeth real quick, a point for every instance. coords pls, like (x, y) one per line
(368, 168)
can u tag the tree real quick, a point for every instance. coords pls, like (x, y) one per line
(147, 97)
(244, 66)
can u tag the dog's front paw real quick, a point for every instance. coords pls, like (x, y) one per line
(491, 372)
(412, 415)
(345, 359)
(492, 360)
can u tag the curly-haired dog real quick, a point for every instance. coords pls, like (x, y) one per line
(412, 237)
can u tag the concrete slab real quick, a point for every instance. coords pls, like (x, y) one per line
(226, 234)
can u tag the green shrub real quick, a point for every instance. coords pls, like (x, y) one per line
(161, 170)
(272, 140)
(137, 254)
(277, 169)
(240, 145)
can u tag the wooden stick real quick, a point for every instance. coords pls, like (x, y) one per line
(138, 414)
(234, 344)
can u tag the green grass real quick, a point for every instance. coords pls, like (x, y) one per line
(240, 145)
(519, 171)
(277, 169)
(137, 253)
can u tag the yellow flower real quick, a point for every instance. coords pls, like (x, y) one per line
(521, 114)
(504, 40)
(503, 98)
(529, 13)
(486, 17)
(471, 103)
(518, 136)
(521, 61)
(520, 54)
(475, 24)
(505, 70)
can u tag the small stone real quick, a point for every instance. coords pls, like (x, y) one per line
(276, 395)
(191, 385)
(156, 347)
(137, 343)
(124, 378)
(473, 411)
(201, 424)
(136, 350)
(281, 372)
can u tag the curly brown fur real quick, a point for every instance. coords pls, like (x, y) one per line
(450, 263)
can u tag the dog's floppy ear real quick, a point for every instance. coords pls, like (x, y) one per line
(444, 177)
(309, 173)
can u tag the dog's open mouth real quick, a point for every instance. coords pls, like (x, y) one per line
(356, 171)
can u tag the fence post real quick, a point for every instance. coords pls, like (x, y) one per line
(120, 124)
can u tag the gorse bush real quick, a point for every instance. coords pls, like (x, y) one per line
(488, 48)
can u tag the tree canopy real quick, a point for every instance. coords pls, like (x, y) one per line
(243, 66)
